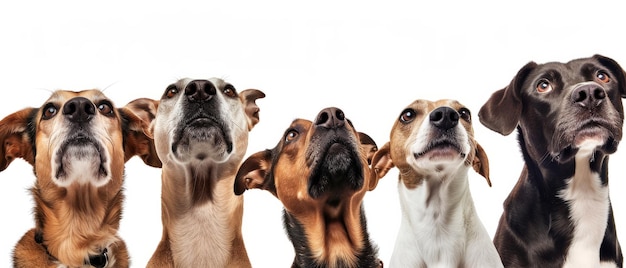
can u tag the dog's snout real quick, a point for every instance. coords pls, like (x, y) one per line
(331, 118)
(444, 118)
(79, 109)
(200, 90)
(589, 95)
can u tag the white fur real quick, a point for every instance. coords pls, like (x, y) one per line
(440, 226)
(588, 202)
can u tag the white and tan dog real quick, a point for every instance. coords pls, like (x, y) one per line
(200, 130)
(432, 144)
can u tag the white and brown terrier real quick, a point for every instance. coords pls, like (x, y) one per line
(200, 132)
(78, 144)
(432, 144)
(319, 171)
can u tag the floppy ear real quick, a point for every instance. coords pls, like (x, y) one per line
(248, 97)
(480, 163)
(253, 173)
(138, 117)
(369, 145)
(381, 164)
(501, 113)
(15, 135)
(615, 69)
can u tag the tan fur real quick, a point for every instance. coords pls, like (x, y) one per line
(201, 216)
(80, 219)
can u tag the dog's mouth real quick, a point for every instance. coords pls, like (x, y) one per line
(440, 149)
(591, 137)
(201, 138)
(80, 158)
(336, 168)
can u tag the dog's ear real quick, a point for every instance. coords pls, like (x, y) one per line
(501, 113)
(616, 69)
(480, 163)
(253, 173)
(15, 135)
(248, 97)
(381, 164)
(368, 145)
(138, 123)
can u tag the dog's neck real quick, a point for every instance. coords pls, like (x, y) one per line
(317, 246)
(62, 228)
(443, 199)
(195, 196)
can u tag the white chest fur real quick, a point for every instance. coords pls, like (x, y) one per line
(588, 202)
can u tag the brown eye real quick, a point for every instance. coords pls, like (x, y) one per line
(544, 86)
(230, 91)
(407, 115)
(291, 135)
(171, 92)
(105, 108)
(603, 77)
(49, 111)
(465, 114)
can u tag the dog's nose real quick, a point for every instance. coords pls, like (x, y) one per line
(79, 109)
(200, 90)
(589, 95)
(331, 118)
(444, 118)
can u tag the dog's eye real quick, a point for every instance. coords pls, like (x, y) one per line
(171, 92)
(465, 114)
(49, 111)
(407, 115)
(105, 108)
(544, 86)
(603, 77)
(291, 135)
(230, 91)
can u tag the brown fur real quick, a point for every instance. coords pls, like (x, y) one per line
(334, 234)
(80, 219)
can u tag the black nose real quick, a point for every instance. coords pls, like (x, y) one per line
(200, 90)
(79, 110)
(589, 95)
(331, 118)
(444, 118)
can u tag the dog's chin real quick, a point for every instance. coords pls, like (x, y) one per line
(203, 143)
(81, 160)
(586, 142)
(338, 169)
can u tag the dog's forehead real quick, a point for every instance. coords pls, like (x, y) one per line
(64, 95)
(427, 106)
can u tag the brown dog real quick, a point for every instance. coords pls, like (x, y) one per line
(78, 144)
(319, 171)
(201, 135)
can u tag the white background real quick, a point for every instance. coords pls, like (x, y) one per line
(371, 59)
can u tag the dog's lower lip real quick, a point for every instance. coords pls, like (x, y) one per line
(440, 149)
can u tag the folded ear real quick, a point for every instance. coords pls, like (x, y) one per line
(368, 145)
(501, 113)
(138, 117)
(254, 173)
(17, 135)
(381, 164)
(480, 163)
(248, 97)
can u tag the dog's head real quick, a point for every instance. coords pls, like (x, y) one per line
(563, 108)
(431, 140)
(204, 121)
(318, 163)
(78, 143)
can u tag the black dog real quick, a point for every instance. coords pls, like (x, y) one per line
(569, 118)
